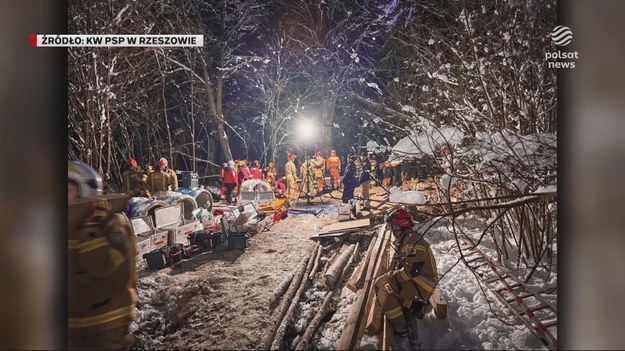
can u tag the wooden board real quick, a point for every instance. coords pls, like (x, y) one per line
(344, 226)
(438, 304)
(332, 235)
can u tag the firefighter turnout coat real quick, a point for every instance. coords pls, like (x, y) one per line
(290, 172)
(134, 182)
(318, 165)
(413, 279)
(102, 288)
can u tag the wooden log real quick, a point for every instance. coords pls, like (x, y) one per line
(314, 269)
(330, 278)
(347, 340)
(282, 288)
(277, 340)
(329, 263)
(286, 302)
(438, 304)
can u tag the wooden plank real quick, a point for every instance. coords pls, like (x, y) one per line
(387, 335)
(356, 280)
(343, 226)
(375, 317)
(332, 235)
(439, 304)
(347, 339)
(370, 295)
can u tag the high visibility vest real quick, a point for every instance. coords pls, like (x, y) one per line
(333, 162)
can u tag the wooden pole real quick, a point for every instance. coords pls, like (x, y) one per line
(281, 288)
(314, 269)
(347, 339)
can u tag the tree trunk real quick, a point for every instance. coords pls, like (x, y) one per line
(171, 147)
(328, 101)
(193, 125)
(215, 107)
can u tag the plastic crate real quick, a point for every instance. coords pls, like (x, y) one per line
(238, 241)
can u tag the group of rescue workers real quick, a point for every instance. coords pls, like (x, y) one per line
(149, 181)
(102, 284)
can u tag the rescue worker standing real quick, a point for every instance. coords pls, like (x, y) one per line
(102, 289)
(255, 170)
(230, 180)
(349, 179)
(173, 178)
(410, 284)
(290, 172)
(333, 165)
(158, 181)
(306, 171)
(318, 165)
(270, 173)
(134, 183)
(365, 179)
(243, 174)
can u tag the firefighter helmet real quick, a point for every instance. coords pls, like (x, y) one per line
(291, 156)
(88, 180)
(400, 218)
(162, 162)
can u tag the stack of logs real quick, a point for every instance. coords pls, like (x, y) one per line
(365, 314)
(286, 296)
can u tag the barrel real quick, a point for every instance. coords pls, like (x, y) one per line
(188, 202)
(203, 198)
(143, 206)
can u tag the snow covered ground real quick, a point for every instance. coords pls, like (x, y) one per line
(470, 323)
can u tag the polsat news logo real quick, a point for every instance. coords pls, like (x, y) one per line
(561, 36)
(115, 40)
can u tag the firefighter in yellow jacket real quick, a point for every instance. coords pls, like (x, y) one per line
(158, 182)
(290, 172)
(134, 182)
(173, 177)
(102, 289)
(318, 165)
(306, 171)
(410, 284)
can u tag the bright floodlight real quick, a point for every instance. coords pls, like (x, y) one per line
(305, 129)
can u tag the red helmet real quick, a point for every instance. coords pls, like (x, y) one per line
(132, 162)
(318, 153)
(291, 156)
(400, 217)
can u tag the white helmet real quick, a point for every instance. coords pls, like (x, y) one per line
(88, 180)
